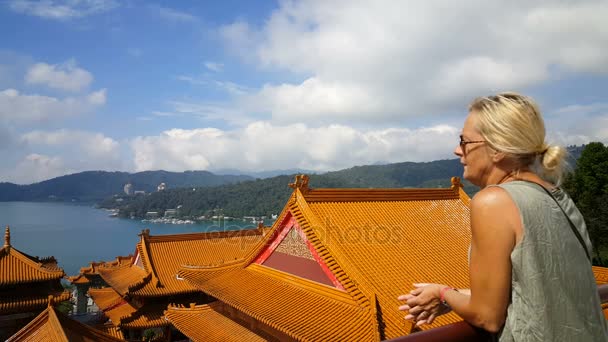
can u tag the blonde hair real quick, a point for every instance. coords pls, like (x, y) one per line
(512, 123)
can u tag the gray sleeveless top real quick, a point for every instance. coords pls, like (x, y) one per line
(553, 291)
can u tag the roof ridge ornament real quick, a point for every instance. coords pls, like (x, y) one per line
(301, 182)
(456, 183)
(7, 236)
(145, 233)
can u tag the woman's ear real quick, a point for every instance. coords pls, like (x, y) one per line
(497, 156)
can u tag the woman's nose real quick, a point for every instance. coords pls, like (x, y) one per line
(458, 151)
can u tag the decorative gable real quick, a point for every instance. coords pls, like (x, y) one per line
(291, 252)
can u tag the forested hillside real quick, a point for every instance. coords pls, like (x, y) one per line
(93, 186)
(264, 197)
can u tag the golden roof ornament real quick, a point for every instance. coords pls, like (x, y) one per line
(145, 232)
(7, 237)
(301, 182)
(456, 183)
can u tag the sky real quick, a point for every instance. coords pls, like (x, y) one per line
(128, 85)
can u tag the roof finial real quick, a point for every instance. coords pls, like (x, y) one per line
(145, 232)
(456, 183)
(301, 183)
(51, 299)
(7, 237)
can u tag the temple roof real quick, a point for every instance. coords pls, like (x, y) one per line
(92, 269)
(17, 267)
(290, 304)
(153, 271)
(22, 300)
(111, 330)
(601, 274)
(204, 323)
(375, 242)
(125, 315)
(53, 326)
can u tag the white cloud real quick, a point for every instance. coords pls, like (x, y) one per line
(578, 124)
(62, 9)
(21, 108)
(216, 67)
(66, 76)
(231, 88)
(97, 97)
(376, 61)
(265, 146)
(46, 154)
(173, 15)
(37, 167)
(90, 144)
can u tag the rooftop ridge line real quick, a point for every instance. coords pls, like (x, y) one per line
(307, 221)
(7, 236)
(146, 257)
(202, 235)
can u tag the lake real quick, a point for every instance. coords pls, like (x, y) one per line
(78, 234)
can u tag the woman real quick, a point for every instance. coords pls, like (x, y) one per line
(530, 275)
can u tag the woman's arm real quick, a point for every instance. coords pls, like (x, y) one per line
(494, 221)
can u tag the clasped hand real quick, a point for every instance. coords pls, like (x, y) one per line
(423, 303)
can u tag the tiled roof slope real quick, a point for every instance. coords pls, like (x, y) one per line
(386, 240)
(22, 300)
(93, 267)
(301, 309)
(124, 279)
(204, 323)
(53, 326)
(124, 314)
(19, 268)
(161, 256)
(376, 242)
(601, 274)
(111, 330)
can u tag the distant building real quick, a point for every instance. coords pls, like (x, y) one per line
(152, 214)
(161, 187)
(170, 213)
(139, 192)
(128, 189)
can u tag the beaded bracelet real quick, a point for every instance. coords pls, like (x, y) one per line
(442, 296)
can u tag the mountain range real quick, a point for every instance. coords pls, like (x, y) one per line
(95, 186)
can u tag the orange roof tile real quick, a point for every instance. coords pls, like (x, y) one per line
(20, 300)
(111, 330)
(299, 308)
(601, 274)
(19, 268)
(124, 314)
(376, 242)
(53, 326)
(124, 279)
(204, 323)
(154, 271)
(92, 269)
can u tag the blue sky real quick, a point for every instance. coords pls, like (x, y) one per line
(184, 85)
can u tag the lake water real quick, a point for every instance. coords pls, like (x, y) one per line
(78, 234)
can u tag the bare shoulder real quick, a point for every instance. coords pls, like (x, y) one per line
(491, 198)
(492, 211)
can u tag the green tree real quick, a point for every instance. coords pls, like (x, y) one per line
(588, 186)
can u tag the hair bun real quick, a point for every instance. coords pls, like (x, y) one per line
(552, 158)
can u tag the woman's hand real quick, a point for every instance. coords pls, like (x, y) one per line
(423, 303)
